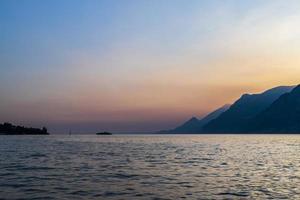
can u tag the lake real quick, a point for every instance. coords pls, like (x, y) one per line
(150, 167)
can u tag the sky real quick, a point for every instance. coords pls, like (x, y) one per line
(139, 65)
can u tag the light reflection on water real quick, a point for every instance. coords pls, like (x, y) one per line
(150, 167)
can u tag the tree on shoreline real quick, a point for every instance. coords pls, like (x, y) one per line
(10, 129)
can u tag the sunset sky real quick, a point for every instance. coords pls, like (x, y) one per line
(139, 65)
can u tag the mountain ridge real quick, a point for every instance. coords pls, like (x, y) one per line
(194, 125)
(245, 108)
(282, 116)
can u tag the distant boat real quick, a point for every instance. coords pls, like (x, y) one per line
(104, 133)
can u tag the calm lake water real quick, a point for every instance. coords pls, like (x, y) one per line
(150, 167)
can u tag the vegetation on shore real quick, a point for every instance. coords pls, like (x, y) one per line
(10, 129)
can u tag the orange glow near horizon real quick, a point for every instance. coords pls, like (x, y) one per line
(143, 70)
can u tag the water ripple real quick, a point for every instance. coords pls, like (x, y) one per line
(150, 167)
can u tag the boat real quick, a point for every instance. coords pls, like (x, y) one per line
(103, 133)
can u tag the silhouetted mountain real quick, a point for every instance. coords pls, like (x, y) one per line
(195, 125)
(283, 116)
(215, 114)
(237, 117)
(9, 129)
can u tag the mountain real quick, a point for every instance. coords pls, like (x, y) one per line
(215, 114)
(282, 116)
(237, 117)
(195, 125)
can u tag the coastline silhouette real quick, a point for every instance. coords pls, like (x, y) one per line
(10, 129)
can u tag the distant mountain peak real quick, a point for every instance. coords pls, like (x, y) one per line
(194, 125)
(276, 109)
(245, 108)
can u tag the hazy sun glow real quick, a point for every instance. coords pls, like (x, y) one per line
(140, 65)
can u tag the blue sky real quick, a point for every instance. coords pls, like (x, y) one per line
(139, 64)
